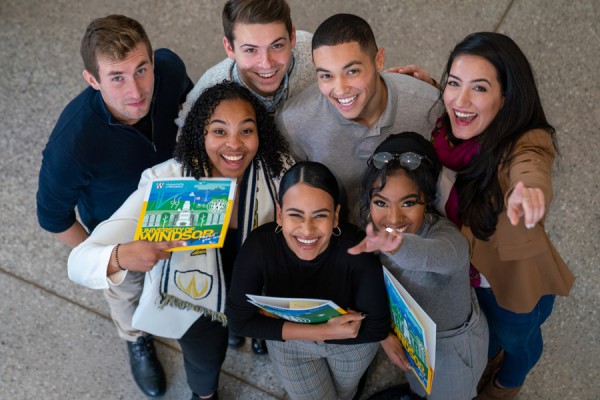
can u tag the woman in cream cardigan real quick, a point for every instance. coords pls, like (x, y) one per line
(228, 133)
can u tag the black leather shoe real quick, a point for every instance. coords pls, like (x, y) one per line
(215, 396)
(234, 341)
(259, 346)
(145, 367)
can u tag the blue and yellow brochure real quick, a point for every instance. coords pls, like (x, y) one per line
(305, 311)
(415, 329)
(197, 211)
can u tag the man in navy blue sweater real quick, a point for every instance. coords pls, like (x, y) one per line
(117, 127)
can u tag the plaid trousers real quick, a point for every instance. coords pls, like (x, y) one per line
(321, 371)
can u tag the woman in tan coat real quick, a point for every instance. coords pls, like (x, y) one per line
(498, 149)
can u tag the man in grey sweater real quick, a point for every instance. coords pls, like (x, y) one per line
(265, 54)
(340, 120)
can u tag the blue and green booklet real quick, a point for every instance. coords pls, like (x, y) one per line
(306, 311)
(197, 211)
(415, 329)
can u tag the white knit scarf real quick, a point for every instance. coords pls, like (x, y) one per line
(194, 280)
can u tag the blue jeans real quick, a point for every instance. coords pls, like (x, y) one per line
(520, 336)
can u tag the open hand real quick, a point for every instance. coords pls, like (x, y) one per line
(386, 241)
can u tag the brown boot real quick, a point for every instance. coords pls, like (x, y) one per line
(491, 368)
(492, 392)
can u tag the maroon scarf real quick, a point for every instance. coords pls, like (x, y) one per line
(455, 156)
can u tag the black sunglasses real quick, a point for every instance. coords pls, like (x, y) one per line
(408, 160)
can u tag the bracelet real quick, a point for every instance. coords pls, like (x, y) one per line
(391, 253)
(117, 258)
(435, 84)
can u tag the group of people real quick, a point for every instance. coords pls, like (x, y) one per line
(341, 167)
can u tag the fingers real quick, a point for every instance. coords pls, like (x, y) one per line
(353, 316)
(528, 203)
(533, 206)
(405, 364)
(359, 248)
(364, 245)
(408, 69)
(166, 246)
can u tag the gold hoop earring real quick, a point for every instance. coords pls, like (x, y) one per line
(338, 232)
(278, 228)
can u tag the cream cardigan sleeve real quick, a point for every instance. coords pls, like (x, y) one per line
(88, 262)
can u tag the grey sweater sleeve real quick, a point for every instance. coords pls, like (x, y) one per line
(440, 249)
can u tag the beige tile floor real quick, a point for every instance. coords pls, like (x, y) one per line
(56, 341)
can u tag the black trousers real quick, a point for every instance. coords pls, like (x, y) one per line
(204, 346)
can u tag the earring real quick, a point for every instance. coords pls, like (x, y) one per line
(338, 232)
(429, 217)
(278, 228)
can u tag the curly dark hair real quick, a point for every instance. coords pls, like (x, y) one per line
(190, 150)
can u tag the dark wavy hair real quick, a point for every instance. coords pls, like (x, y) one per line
(313, 174)
(425, 175)
(190, 150)
(480, 197)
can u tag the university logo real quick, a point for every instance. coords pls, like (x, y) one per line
(195, 284)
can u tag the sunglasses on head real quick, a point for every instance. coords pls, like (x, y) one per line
(408, 160)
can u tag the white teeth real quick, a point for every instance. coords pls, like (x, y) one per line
(347, 101)
(270, 74)
(464, 115)
(307, 242)
(396, 230)
(233, 158)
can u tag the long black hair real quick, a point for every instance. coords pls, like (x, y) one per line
(190, 150)
(480, 198)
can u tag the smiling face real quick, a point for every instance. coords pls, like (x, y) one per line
(126, 85)
(350, 80)
(231, 138)
(398, 205)
(262, 53)
(307, 216)
(473, 96)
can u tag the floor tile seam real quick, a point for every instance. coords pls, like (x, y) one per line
(8, 161)
(106, 317)
(248, 383)
(503, 17)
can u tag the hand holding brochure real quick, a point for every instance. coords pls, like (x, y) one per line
(306, 311)
(414, 328)
(197, 211)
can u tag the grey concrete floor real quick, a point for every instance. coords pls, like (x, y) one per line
(56, 340)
